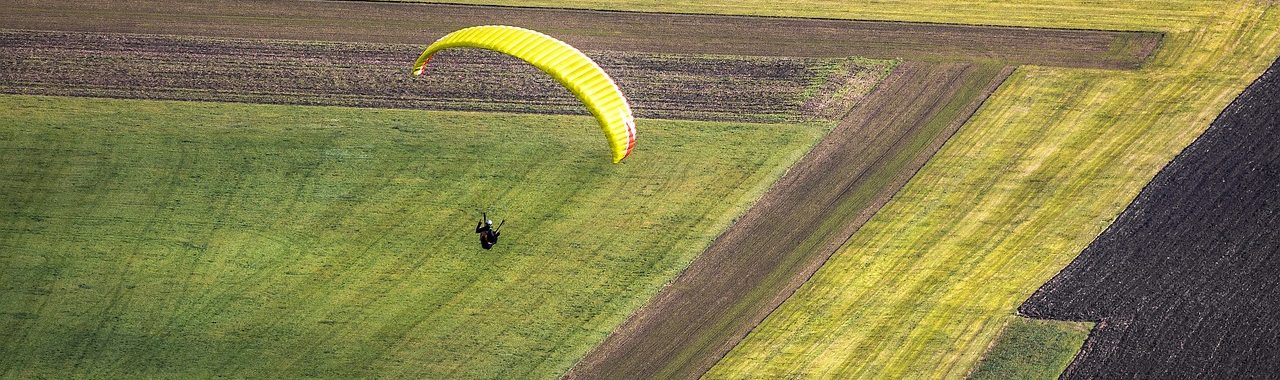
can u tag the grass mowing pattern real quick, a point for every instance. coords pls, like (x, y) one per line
(152, 238)
(1032, 349)
(1052, 158)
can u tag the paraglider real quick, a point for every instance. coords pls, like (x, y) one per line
(488, 233)
(577, 72)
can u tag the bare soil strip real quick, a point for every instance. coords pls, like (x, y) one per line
(1184, 283)
(809, 213)
(593, 30)
(767, 89)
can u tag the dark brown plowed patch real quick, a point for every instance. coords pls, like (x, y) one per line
(809, 213)
(593, 30)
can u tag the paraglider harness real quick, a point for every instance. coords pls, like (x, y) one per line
(488, 234)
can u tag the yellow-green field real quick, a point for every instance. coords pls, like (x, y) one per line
(185, 239)
(923, 289)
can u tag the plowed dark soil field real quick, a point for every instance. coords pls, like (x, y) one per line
(389, 22)
(1184, 284)
(377, 75)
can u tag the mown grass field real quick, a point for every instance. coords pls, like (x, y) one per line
(157, 238)
(1050, 160)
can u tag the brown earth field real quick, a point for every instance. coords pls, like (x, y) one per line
(668, 86)
(946, 73)
(1183, 285)
(388, 22)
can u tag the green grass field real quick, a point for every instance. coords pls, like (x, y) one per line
(1032, 349)
(924, 288)
(179, 239)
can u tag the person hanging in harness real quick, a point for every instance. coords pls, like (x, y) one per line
(488, 233)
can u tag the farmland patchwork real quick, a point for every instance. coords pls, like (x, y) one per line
(333, 228)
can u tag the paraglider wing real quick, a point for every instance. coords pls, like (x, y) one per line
(582, 76)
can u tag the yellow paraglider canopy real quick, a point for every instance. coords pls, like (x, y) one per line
(582, 76)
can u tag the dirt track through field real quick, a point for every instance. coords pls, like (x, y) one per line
(948, 72)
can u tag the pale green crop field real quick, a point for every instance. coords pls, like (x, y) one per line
(1031, 349)
(187, 239)
(925, 287)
